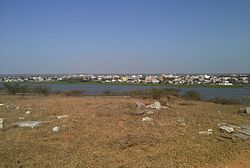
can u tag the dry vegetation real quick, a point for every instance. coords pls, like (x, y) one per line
(103, 132)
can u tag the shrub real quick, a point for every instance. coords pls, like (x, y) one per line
(192, 95)
(153, 93)
(223, 100)
(14, 88)
(171, 91)
(74, 92)
(245, 99)
(106, 92)
(42, 89)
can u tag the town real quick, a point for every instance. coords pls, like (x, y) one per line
(175, 79)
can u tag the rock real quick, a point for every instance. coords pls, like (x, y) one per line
(245, 131)
(150, 112)
(245, 110)
(248, 110)
(62, 116)
(156, 105)
(165, 107)
(227, 129)
(241, 136)
(2, 105)
(1, 123)
(21, 118)
(138, 113)
(1, 120)
(147, 119)
(28, 112)
(242, 110)
(18, 107)
(56, 129)
(208, 132)
(139, 104)
(30, 124)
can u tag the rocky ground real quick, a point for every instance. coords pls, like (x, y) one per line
(103, 131)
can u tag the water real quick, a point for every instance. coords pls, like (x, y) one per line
(94, 89)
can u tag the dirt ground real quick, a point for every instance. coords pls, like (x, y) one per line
(104, 132)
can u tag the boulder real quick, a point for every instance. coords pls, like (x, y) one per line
(147, 119)
(227, 129)
(56, 129)
(139, 104)
(62, 116)
(248, 110)
(28, 112)
(138, 113)
(30, 124)
(150, 112)
(1, 120)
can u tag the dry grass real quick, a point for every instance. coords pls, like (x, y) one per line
(101, 132)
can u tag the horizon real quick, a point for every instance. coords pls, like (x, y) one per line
(125, 37)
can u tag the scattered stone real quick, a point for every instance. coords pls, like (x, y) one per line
(150, 112)
(62, 116)
(18, 107)
(246, 126)
(245, 110)
(138, 113)
(165, 107)
(242, 110)
(28, 112)
(227, 136)
(221, 124)
(30, 124)
(248, 110)
(155, 105)
(139, 104)
(21, 118)
(56, 129)
(180, 119)
(208, 132)
(1, 123)
(245, 131)
(241, 136)
(227, 129)
(147, 119)
(1, 120)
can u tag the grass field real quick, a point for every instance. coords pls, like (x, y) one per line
(103, 132)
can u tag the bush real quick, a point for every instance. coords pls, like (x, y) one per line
(74, 92)
(192, 95)
(154, 93)
(42, 89)
(245, 99)
(106, 92)
(171, 91)
(222, 100)
(14, 88)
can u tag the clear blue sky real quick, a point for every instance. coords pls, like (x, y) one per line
(124, 36)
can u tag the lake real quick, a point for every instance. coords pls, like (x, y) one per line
(94, 89)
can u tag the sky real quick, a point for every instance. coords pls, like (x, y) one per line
(124, 36)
